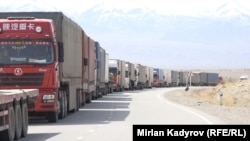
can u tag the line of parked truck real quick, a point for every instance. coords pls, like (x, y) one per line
(51, 54)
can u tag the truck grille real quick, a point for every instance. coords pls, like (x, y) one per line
(28, 79)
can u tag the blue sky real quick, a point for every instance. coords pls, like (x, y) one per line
(160, 33)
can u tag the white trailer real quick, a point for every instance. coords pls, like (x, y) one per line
(136, 73)
(14, 105)
(108, 81)
(101, 74)
(171, 77)
(141, 77)
(132, 75)
(149, 76)
(127, 81)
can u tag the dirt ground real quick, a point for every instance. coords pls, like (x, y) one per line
(229, 101)
(235, 94)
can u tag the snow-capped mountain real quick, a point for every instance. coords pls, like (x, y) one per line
(219, 31)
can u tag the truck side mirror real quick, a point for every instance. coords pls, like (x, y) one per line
(61, 52)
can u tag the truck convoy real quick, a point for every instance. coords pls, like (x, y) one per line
(50, 52)
(14, 106)
(52, 55)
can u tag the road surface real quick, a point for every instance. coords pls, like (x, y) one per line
(111, 117)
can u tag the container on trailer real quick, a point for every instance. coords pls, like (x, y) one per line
(195, 79)
(101, 78)
(14, 118)
(58, 76)
(203, 78)
(212, 78)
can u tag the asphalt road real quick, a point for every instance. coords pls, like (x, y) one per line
(111, 118)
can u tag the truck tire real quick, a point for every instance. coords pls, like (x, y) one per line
(111, 90)
(62, 105)
(83, 99)
(18, 120)
(25, 119)
(89, 98)
(52, 116)
(65, 103)
(9, 134)
(77, 101)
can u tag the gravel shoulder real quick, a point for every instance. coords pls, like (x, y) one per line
(194, 98)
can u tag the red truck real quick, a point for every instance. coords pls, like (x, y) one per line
(50, 52)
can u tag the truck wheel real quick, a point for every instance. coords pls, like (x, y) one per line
(9, 134)
(18, 120)
(62, 106)
(89, 98)
(65, 104)
(83, 99)
(77, 102)
(25, 120)
(52, 117)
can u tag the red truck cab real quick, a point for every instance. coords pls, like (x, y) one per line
(29, 59)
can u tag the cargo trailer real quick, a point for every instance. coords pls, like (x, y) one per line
(14, 118)
(53, 54)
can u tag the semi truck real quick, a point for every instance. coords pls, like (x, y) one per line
(183, 78)
(127, 80)
(195, 79)
(102, 79)
(141, 77)
(132, 76)
(14, 106)
(212, 78)
(89, 72)
(108, 81)
(203, 79)
(158, 77)
(136, 73)
(167, 78)
(149, 77)
(170, 77)
(117, 68)
(50, 52)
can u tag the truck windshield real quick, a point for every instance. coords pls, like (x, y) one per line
(26, 52)
(113, 70)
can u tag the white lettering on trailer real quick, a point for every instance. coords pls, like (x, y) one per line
(22, 26)
(31, 26)
(14, 26)
(6, 26)
(18, 26)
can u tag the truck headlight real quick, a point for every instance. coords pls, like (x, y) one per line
(48, 98)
